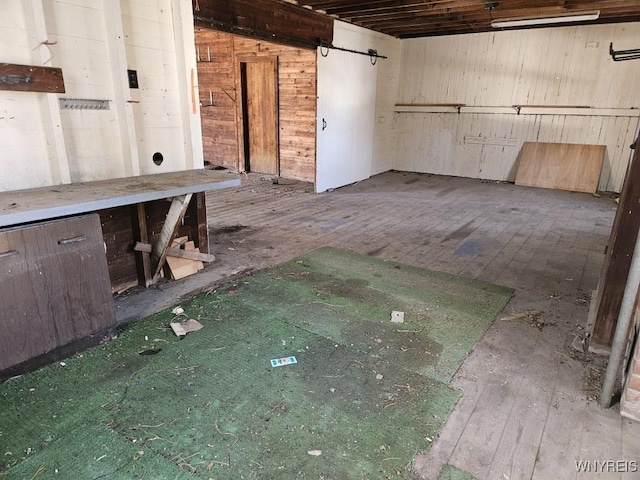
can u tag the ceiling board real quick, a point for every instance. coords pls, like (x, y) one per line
(421, 18)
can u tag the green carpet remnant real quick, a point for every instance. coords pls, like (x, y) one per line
(450, 472)
(363, 398)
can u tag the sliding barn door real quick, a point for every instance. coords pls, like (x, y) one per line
(260, 115)
(346, 109)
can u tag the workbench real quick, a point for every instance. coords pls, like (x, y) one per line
(65, 249)
(34, 204)
(151, 209)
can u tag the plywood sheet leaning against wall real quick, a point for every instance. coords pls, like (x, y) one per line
(560, 166)
(220, 55)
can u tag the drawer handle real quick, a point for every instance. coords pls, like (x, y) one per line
(8, 253)
(64, 241)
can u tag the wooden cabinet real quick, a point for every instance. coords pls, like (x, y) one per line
(54, 291)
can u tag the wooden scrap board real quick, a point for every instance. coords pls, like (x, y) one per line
(560, 166)
(183, 267)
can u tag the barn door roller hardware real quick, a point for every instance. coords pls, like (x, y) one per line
(371, 53)
(622, 55)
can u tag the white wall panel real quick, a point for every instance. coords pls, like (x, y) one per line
(548, 66)
(150, 45)
(384, 142)
(91, 136)
(99, 144)
(568, 66)
(23, 160)
(23, 154)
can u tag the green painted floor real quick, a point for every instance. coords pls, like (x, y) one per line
(363, 398)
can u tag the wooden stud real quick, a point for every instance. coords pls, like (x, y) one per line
(189, 105)
(203, 224)
(144, 239)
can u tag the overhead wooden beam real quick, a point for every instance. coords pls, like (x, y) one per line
(271, 20)
(31, 78)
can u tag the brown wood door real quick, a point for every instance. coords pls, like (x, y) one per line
(260, 119)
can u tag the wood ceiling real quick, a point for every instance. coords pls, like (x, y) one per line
(423, 18)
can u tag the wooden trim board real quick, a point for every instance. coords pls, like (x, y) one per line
(560, 166)
(31, 78)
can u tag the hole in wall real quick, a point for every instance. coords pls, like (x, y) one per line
(158, 158)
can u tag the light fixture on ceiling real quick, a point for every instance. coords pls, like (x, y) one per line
(571, 17)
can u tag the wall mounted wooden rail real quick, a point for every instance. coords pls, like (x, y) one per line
(517, 110)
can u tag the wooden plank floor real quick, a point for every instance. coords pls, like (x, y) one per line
(528, 408)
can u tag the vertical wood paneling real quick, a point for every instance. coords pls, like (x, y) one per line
(296, 101)
(554, 66)
(435, 142)
(567, 66)
(218, 97)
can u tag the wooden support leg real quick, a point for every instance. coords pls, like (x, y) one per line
(144, 238)
(203, 225)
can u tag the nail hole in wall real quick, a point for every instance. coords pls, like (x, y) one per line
(157, 158)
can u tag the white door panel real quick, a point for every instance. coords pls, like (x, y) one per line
(346, 109)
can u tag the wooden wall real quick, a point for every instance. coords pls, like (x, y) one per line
(219, 86)
(549, 70)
